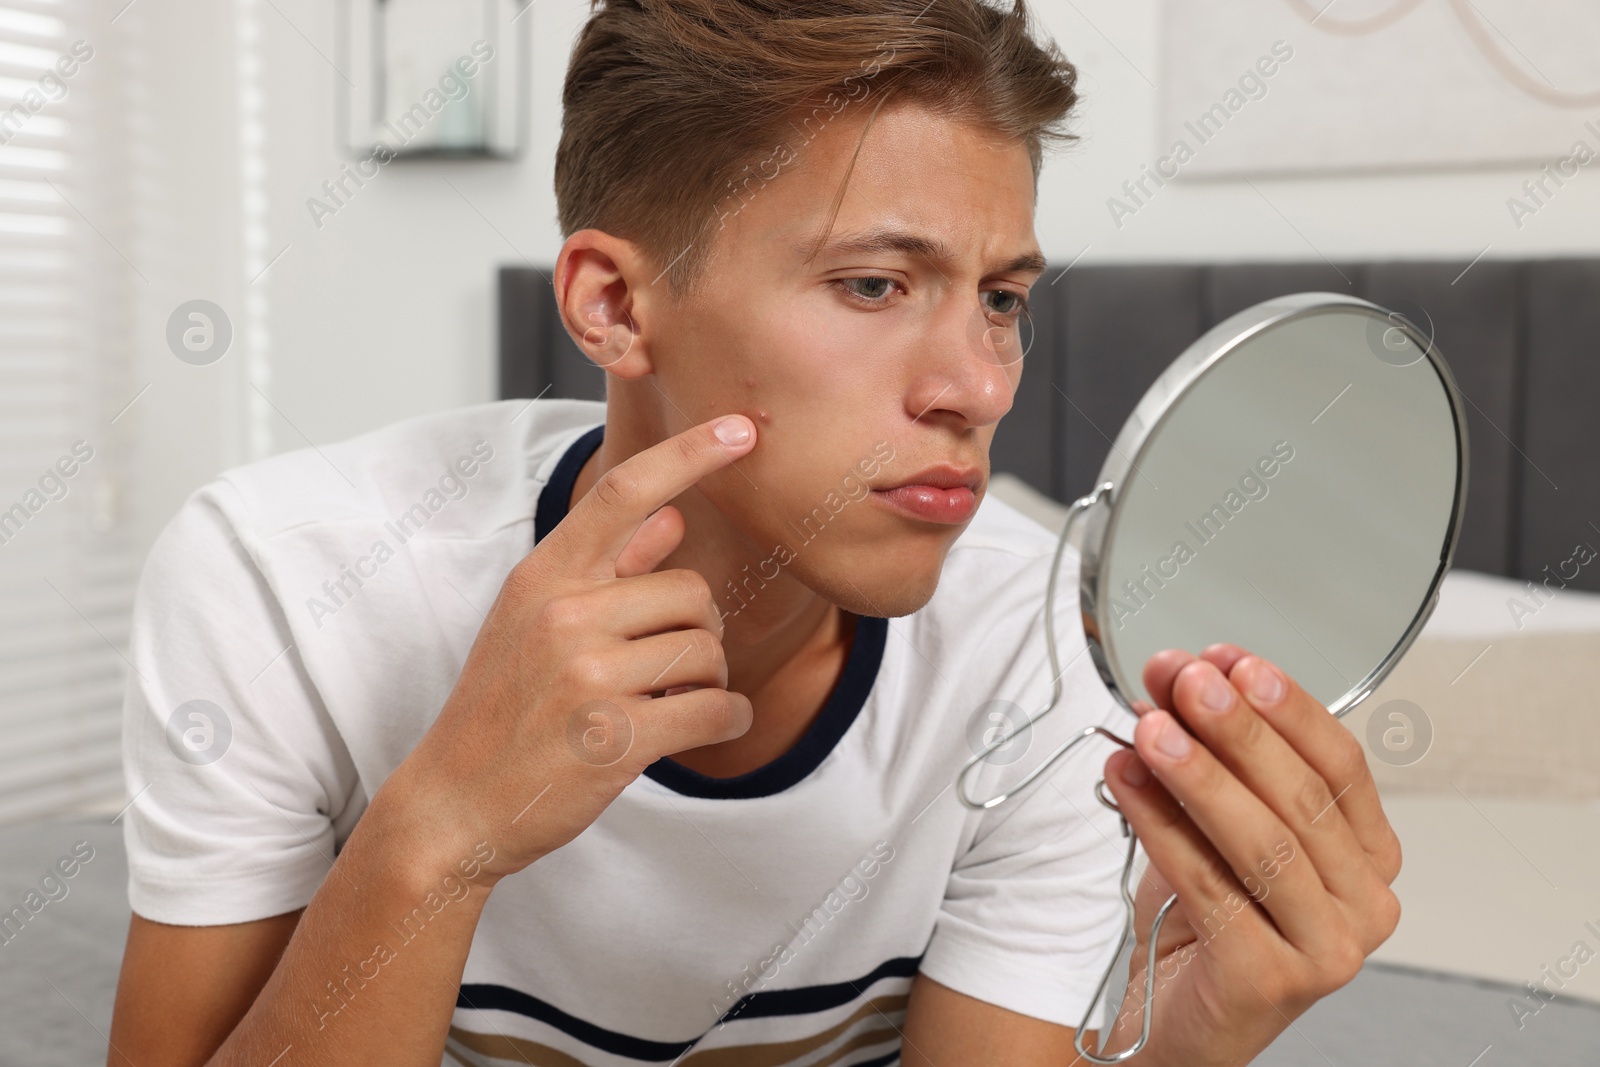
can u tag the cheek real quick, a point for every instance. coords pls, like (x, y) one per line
(754, 404)
(820, 394)
(793, 378)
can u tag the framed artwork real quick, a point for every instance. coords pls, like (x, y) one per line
(434, 78)
(1282, 86)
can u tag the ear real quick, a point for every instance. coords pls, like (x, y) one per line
(601, 285)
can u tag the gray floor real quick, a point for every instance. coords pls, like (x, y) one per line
(1399, 1017)
(59, 973)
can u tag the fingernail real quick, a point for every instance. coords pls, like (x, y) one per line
(732, 431)
(1173, 742)
(1266, 683)
(1134, 772)
(1216, 695)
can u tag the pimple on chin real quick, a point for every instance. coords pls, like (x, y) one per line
(762, 416)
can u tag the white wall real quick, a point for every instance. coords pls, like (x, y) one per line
(1435, 214)
(383, 312)
(388, 310)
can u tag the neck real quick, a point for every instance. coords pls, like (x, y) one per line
(784, 644)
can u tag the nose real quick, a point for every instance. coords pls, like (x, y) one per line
(970, 364)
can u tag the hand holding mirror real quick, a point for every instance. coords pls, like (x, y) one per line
(1293, 484)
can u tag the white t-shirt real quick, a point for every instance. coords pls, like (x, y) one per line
(302, 620)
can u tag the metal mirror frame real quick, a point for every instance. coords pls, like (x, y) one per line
(1133, 441)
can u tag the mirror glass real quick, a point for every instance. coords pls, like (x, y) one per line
(1291, 485)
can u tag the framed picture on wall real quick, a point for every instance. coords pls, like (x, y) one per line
(1260, 87)
(434, 78)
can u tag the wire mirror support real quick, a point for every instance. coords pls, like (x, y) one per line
(1080, 508)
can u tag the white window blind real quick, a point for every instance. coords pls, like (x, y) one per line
(66, 300)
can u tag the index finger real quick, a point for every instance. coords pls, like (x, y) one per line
(626, 495)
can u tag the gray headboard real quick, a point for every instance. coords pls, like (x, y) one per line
(1522, 337)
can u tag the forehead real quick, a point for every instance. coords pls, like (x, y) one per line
(949, 179)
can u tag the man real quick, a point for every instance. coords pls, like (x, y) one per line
(560, 733)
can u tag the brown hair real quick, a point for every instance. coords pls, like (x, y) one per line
(673, 110)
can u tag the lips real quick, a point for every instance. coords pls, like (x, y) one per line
(942, 493)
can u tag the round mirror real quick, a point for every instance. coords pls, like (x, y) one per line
(1292, 484)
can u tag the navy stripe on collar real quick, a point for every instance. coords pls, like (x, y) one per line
(554, 499)
(831, 724)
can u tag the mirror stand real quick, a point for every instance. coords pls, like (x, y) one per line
(1080, 508)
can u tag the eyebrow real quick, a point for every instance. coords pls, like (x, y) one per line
(879, 242)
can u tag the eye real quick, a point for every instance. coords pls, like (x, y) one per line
(1011, 303)
(869, 290)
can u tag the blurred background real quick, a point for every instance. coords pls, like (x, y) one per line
(203, 262)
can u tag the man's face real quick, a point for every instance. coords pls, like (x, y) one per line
(868, 365)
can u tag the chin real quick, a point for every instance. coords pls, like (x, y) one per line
(862, 584)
